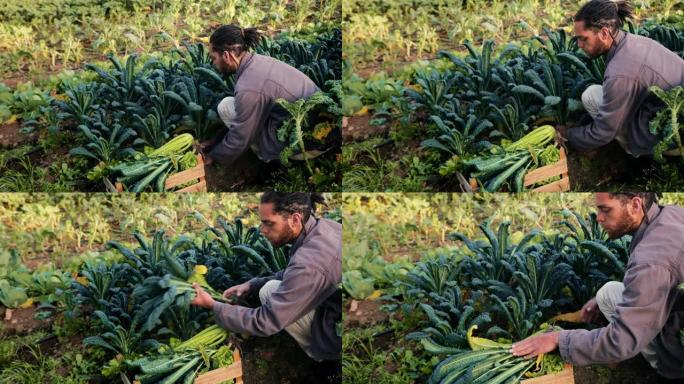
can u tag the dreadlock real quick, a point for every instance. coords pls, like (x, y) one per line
(233, 38)
(303, 203)
(605, 13)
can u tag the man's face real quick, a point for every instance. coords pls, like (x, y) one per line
(277, 228)
(223, 61)
(618, 217)
(593, 43)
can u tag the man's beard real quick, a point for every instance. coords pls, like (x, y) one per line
(625, 225)
(287, 237)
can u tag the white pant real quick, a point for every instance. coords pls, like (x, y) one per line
(300, 330)
(592, 98)
(607, 299)
(227, 113)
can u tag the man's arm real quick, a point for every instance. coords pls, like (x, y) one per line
(302, 289)
(251, 111)
(640, 317)
(620, 98)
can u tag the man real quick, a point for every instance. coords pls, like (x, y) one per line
(622, 107)
(303, 299)
(252, 116)
(645, 311)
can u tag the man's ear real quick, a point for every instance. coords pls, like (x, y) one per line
(605, 34)
(297, 219)
(636, 204)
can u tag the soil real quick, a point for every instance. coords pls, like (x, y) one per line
(11, 135)
(247, 171)
(21, 321)
(363, 313)
(603, 168)
(633, 371)
(357, 128)
(279, 360)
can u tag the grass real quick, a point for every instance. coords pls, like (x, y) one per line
(54, 35)
(385, 35)
(59, 227)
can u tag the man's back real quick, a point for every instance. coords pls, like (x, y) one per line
(644, 62)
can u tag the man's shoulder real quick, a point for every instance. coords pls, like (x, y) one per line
(663, 242)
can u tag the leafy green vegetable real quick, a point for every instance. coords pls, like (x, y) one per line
(665, 124)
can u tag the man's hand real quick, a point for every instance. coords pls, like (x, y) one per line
(202, 299)
(561, 135)
(590, 311)
(536, 345)
(237, 291)
(203, 148)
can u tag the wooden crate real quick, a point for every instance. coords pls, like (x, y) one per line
(566, 376)
(232, 372)
(176, 179)
(559, 168)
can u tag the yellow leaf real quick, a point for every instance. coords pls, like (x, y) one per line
(362, 112)
(27, 304)
(480, 343)
(573, 317)
(12, 119)
(82, 280)
(201, 269)
(377, 293)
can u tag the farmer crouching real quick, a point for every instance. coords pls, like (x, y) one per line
(252, 116)
(646, 310)
(303, 299)
(622, 106)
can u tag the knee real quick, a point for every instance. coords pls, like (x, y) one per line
(610, 292)
(591, 97)
(226, 108)
(267, 290)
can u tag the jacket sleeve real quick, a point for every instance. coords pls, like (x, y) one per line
(252, 109)
(620, 100)
(640, 317)
(301, 291)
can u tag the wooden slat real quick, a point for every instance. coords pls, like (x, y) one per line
(566, 376)
(199, 187)
(179, 178)
(220, 375)
(561, 185)
(559, 168)
(543, 173)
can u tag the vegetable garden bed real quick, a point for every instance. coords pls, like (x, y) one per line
(469, 101)
(121, 307)
(455, 310)
(109, 115)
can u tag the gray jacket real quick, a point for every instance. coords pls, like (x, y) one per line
(652, 306)
(260, 81)
(633, 64)
(309, 282)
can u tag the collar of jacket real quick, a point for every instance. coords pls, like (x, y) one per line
(244, 63)
(648, 219)
(618, 41)
(308, 227)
